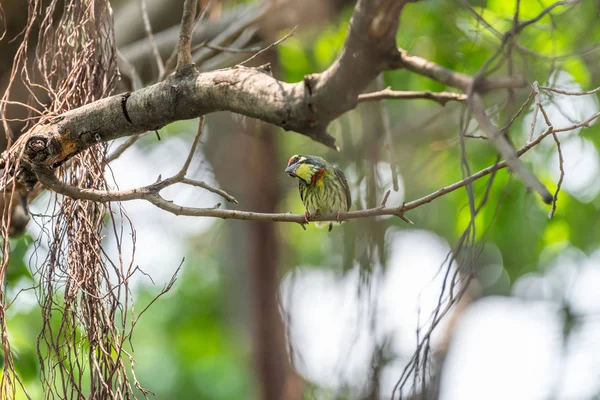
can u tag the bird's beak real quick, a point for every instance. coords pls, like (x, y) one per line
(291, 170)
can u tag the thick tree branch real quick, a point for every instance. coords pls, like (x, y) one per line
(306, 107)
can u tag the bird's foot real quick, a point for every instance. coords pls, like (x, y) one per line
(306, 215)
(337, 218)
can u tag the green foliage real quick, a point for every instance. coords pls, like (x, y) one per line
(185, 345)
(17, 263)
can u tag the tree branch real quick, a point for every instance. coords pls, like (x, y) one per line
(261, 51)
(455, 79)
(184, 51)
(306, 107)
(148, 28)
(151, 193)
(440, 97)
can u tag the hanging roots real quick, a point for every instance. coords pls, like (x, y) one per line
(67, 58)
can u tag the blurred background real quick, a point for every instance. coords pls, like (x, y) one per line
(263, 309)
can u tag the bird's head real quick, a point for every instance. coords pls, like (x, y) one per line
(309, 169)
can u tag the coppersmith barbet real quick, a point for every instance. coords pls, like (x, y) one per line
(323, 186)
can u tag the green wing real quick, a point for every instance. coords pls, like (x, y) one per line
(340, 174)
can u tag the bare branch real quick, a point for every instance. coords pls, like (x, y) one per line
(225, 59)
(184, 51)
(583, 124)
(569, 93)
(518, 113)
(440, 97)
(233, 30)
(212, 189)
(121, 149)
(561, 162)
(150, 194)
(385, 198)
(148, 28)
(171, 60)
(455, 79)
(188, 161)
(129, 71)
(226, 49)
(283, 39)
(506, 150)
(473, 86)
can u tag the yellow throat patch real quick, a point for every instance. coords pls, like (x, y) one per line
(303, 171)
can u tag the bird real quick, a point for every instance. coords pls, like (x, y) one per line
(323, 186)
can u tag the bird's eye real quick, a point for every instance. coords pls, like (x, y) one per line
(293, 160)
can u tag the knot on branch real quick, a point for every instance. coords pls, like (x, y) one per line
(39, 149)
(36, 149)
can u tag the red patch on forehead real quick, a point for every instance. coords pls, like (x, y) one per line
(292, 160)
(317, 175)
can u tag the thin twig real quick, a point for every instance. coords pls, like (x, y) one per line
(212, 189)
(184, 47)
(121, 149)
(385, 198)
(506, 150)
(535, 111)
(128, 69)
(148, 28)
(235, 30)
(225, 49)
(546, 117)
(475, 136)
(387, 134)
(188, 161)
(518, 113)
(222, 59)
(440, 97)
(290, 34)
(562, 174)
(538, 102)
(569, 93)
